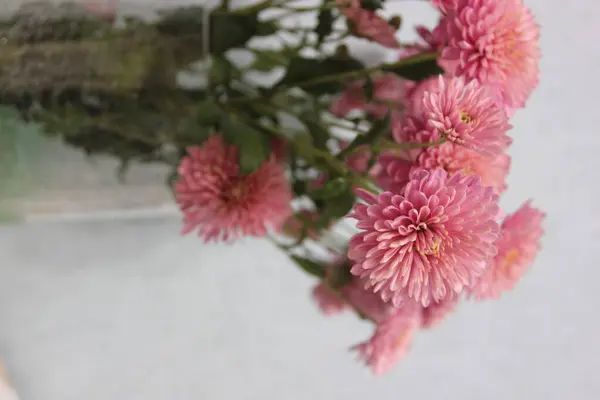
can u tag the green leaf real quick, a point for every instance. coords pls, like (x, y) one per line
(323, 221)
(254, 155)
(378, 129)
(302, 71)
(309, 266)
(263, 64)
(188, 132)
(288, 51)
(299, 187)
(209, 112)
(254, 146)
(333, 188)
(332, 66)
(325, 24)
(267, 28)
(288, 101)
(341, 277)
(266, 60)
(415, 68)
(319, 134)
(222, 71)
(339, 206)
(230, 30)
(303, 143)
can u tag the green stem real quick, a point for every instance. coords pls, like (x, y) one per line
(391, 145)
(367, 71)
(301, 29)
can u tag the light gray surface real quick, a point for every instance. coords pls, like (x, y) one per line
(128, 310)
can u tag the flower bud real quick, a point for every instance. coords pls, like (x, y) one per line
(342, 51)
(395, 21)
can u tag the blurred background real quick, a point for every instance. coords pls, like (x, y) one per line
(101, 299)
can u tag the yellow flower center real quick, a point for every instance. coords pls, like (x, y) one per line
(466, 118)
(435, 249)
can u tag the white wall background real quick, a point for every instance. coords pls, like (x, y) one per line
(126, 309)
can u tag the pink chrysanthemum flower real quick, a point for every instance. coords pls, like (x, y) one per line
(327, 300)
(495, 42)
(391, 340)
(387, 88)
(371, 26)
(353, 294)
(368, 24)
(429, 41)
(394, 167)
(428, 242)
(493, 170)
(393, 171)
(466, 114)
(518, 245)
(365, 302)
(223, 204)
(443, 5)
(414, 94)
(433, 314)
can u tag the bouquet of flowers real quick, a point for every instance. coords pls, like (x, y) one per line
(413, 152)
